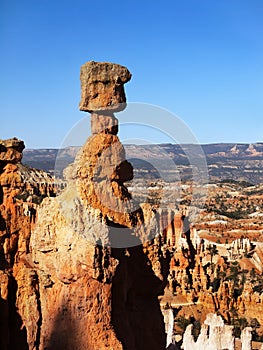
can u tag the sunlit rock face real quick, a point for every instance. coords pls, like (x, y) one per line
(102, 86)
(11, 150)
(215, 335)
(21, 190)
(84, 269)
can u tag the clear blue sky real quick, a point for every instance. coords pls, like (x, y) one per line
(200, 59)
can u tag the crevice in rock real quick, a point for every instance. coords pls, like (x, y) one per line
(2, 223)
(4, 331)
(97, 261)
(136, 315)
(191, 251)
(1, 193)
(18, 333)
(11, 257)
(39, 322)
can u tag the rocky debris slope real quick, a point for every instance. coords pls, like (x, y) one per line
(88, 273)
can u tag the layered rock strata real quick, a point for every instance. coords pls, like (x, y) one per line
(102, 86)
(205, 277)
(21, 191)
(94, 253)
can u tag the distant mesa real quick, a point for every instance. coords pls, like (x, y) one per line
(225, 161)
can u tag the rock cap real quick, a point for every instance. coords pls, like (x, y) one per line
(102, 86)
(11, 150)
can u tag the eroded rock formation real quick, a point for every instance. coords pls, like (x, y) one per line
(209, 276)
(215, 335)
(89, 266)
(84, 270)
(102, 86)
(21, 191)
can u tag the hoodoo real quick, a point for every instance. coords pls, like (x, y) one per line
(99, 274)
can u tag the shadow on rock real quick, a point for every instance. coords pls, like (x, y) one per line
(63, 336)
(136, 314)
(13, 334)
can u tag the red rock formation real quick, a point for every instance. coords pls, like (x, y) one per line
(212, 283)
(11, 151)
(102, 169)
(88, 282)
(84, 270)
(102, 86)
(19, 195)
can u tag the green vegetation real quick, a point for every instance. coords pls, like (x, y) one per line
(23, 196)
(233, 272)
(239, 323)
(36, 199)
(239, 183)
(256, 281)
(237, 214)
(183, 322)
(212, 251)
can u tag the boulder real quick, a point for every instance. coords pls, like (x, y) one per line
(102, 86)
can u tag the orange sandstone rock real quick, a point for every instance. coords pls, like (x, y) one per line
(102, 86)
(11, 150)
(104, 123)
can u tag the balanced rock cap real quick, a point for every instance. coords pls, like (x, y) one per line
(102, 86)
(11, 150)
